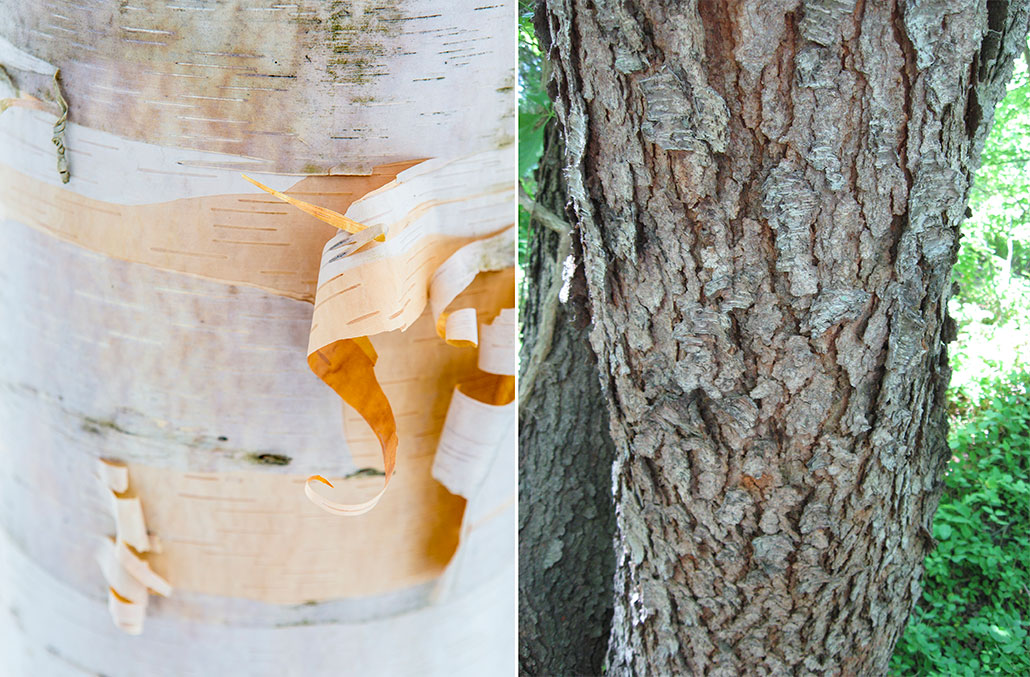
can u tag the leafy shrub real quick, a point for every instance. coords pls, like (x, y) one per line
(974, 615)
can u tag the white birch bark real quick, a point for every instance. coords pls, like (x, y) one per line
(201, 385)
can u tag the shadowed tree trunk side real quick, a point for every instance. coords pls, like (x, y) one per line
(566, 516)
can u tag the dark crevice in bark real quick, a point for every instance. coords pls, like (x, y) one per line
(907, 75)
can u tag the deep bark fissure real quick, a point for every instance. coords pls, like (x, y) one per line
(768, 197)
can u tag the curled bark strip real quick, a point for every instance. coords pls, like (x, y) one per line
(320, 213)
(335, 508)
(347, 366)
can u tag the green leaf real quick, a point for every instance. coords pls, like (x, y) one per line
(531, 142)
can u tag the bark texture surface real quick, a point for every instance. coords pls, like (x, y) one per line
(566, 515)
(769, 195)
(197, 380)
(305, 87)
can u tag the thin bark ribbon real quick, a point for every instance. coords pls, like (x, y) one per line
(417, 212)
(347, 365)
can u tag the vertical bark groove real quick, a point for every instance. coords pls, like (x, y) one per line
(768, 196)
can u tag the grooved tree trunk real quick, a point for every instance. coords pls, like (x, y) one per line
(768, 195)
(566, 517)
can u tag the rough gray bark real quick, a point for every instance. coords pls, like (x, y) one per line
(769, 194)
(566, 515)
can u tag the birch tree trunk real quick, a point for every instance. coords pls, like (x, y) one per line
(156, 312)
(769, 196)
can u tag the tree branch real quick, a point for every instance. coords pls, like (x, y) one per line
(545, 331)
(549, 303)
(542, 214)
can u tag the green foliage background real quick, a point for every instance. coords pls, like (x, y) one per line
(972, 618)
(974, 615)
(534, 111)
(993, 269)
